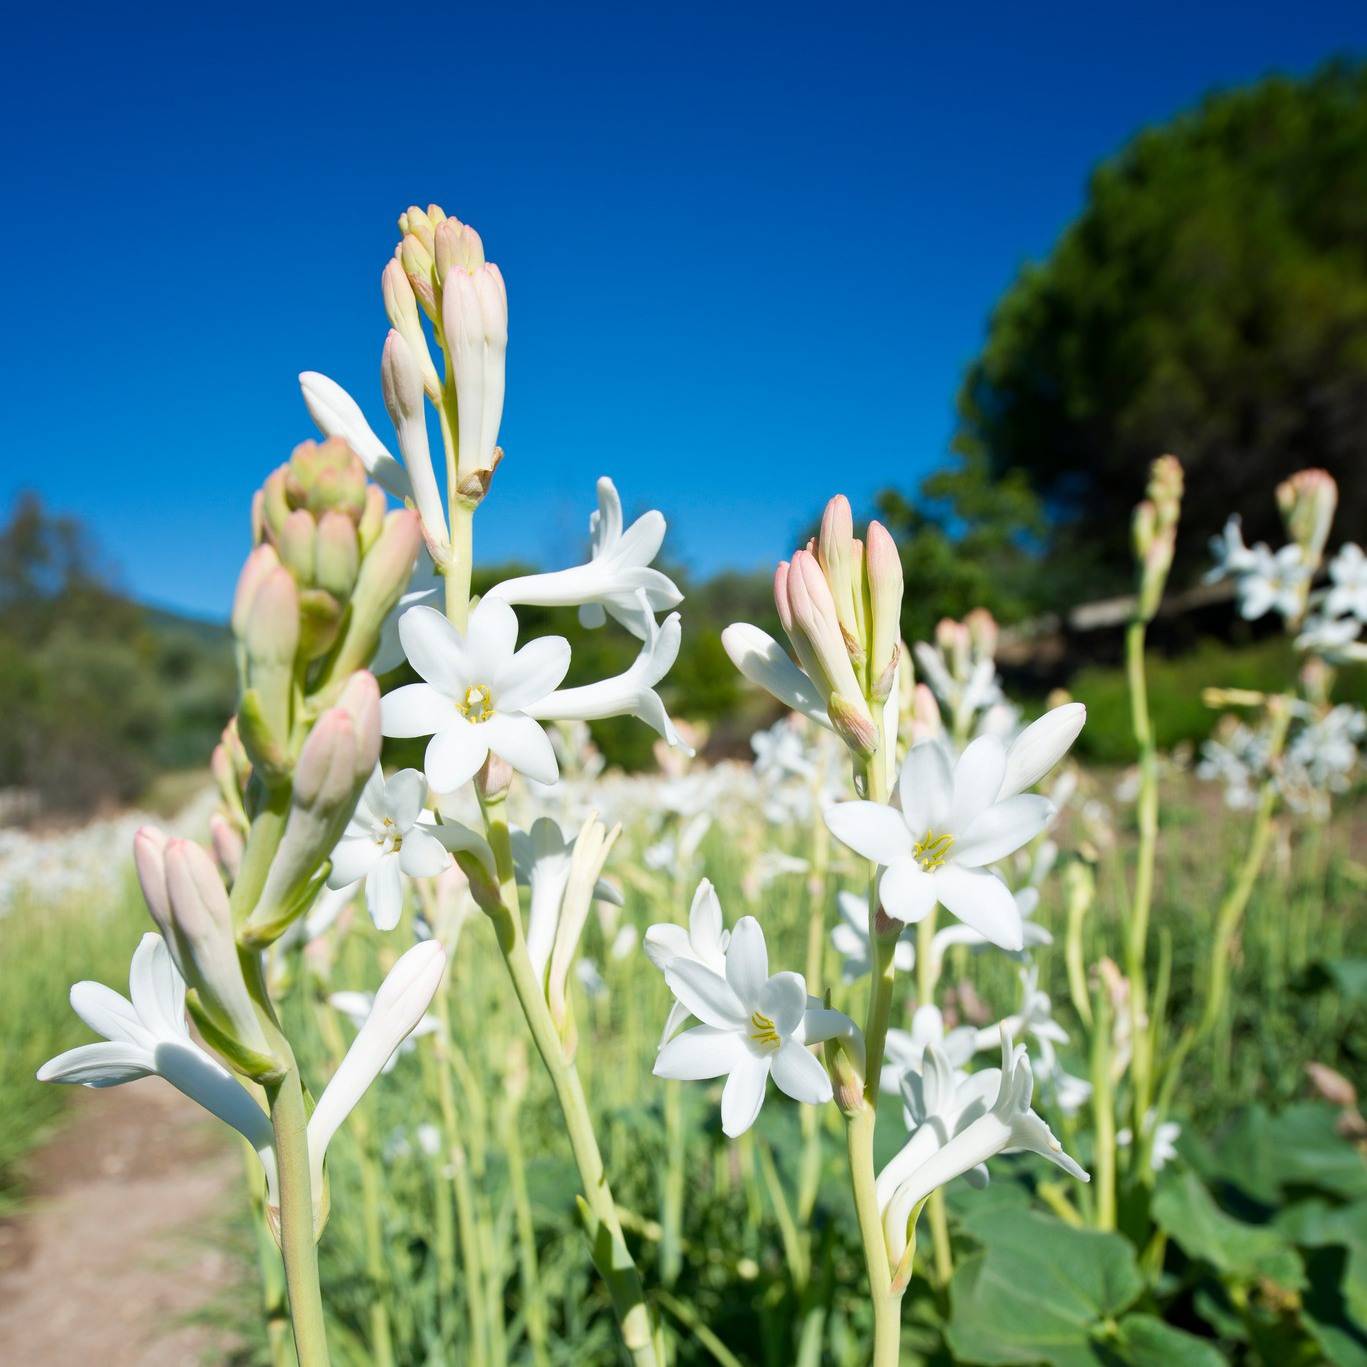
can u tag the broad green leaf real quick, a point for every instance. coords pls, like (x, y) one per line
(1039, 1292)
(1264, 1155)
(1148, 1342)
(1188, 1213)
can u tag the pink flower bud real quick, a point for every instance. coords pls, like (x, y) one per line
(227, 843)
(271, 630)
(1308, 501)
(384, 575)
(883, 570)
(254, 571)
(815, 617)
(149, 858)
(337, 554)
(296, 544)
(457, 246)
(835, 552)
(325, 770)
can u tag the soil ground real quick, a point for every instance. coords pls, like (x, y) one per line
(120, 1243)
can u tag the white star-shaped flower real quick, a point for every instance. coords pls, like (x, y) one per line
(754, 1026)
(386, 839)
(952, 822)
(617, 580)
(476, 695)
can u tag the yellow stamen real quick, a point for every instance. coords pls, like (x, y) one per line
(933, 850)
(477, 705)
(763, 1031)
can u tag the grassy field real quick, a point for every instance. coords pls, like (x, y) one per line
(453, 1236)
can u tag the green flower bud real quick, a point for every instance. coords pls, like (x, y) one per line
(325, 476)
(372, 520)
(337, 555)
(296, 543)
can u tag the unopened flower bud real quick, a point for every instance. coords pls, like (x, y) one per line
(337, 554)
(401, 306)
(835, 554)
(275, 504)
(262, 560)
(372, 520)
(926, 723)
(337, 758)
(983, 634)
(189, 903)
(384, 575)
(421, 271)
(1308, 500)
(883, 570)
(404, 397)
(853, 724)
(296, 545)
(475, 326)
(419, 224)
(457, 246)
(844, 1057)
(322, 476)
(228, 845)
(269, 642)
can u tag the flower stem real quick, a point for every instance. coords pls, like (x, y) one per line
(1141, 1066)
(639, 1330)
(290, 1123)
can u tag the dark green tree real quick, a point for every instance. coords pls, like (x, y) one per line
(1211, 301)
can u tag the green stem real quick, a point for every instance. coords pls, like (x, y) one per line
(289, 1120)
(672, 1194)
(1103, 1113)
(1147, 812)
(528, 1269)
(610, 1253)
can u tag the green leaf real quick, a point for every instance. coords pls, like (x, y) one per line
(1151, 1343)
(1264, 1155)
(1334, 1309)
(1188, 1213)
(1039, 1292)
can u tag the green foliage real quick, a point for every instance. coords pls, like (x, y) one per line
(1211, 300)
(98, 696)
(1175, 687)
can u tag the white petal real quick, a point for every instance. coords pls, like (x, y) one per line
(454, 755)
(384, 893)
(1040, 746)
(743, 1094)
(439, 653)
(876, 831)
(764, 662)
(157, 989)
(783, 999)
(705, 925)
(1002, 829)
(423, 855)
(906, 891)
(700, 1053)
(339, 415)
(98, 1065)
(109, 1014)
(190, 1070)
(404, 796)
(925, 788)
(977, 777)
(821, 1023)
(747, 962)
(666, 942)
(490, 639)
(536, 670)
(641, 542)
(415, 710)
(983, 902)
(799, 1074)
(352, 860)
(521, 741)
(706, 994)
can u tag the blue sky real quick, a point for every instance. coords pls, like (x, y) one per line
(749, 249)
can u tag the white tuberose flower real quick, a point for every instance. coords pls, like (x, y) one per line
(145, 1034)
(754, 1026)
(1348, 583)
(628, 694)
(704, 942)
(477, 695)
(542, 858)
(1010, 1124)
(385, 839)
(952, 823)
(617, 574)
(357, 1007)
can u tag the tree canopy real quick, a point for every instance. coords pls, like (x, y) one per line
(1211, 301)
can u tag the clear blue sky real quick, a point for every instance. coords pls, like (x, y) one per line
(749, 249)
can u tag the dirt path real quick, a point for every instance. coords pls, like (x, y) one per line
(117, 1247)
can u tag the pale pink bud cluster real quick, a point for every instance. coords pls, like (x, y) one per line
(1153, 531)
(840, 602)
(336, 759)
(1308, 501)
(189, 904)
